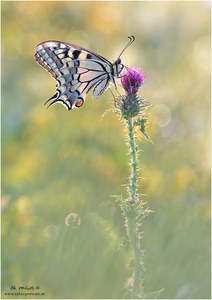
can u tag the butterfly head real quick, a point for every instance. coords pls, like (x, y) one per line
(118, 66)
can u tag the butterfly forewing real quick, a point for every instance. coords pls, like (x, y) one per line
(76, 71)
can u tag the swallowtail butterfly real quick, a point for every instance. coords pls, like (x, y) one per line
(77, 70)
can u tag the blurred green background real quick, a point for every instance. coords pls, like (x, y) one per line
(61, 229)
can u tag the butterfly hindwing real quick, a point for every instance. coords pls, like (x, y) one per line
(76, 71)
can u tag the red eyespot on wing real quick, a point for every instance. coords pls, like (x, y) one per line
(79, 103)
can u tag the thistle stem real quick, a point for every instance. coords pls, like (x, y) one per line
(133, 161)
(133, 206)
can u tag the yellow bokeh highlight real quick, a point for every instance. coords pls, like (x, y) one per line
(24, 168)
(104, 18)
(184, 176)
(154, 181)
(23, 217)
(106, 168)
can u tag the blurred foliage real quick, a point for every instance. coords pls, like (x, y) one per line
(56, 163)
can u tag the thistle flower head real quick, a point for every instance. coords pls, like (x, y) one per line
(132, 79)
(131, 105)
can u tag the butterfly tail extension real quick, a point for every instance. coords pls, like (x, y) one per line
(55, 99)
(59, 101)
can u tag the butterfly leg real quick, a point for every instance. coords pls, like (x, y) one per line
(112, 93)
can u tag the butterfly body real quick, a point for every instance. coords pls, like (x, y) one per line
(76, 71)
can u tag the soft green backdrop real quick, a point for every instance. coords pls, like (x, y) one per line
(58, 162)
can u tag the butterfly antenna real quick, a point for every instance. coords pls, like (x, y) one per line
(131, 40)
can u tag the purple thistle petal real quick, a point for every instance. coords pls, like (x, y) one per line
(132, 79)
